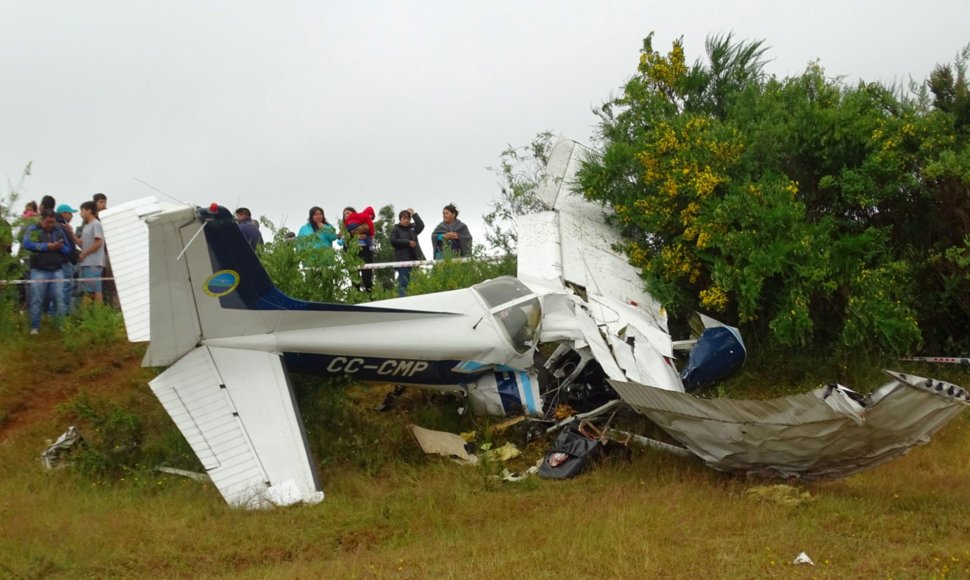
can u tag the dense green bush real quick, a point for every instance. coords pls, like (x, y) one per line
(11, 269)
(812, 213)
(451, 274)
(307, 273)
(112, 436)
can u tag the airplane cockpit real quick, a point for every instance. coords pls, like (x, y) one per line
(515, 307)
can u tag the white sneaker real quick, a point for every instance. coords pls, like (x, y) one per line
(34, 331)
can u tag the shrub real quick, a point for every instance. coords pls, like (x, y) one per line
(450, 274)
(93, 326)
(112, 436)
(305, 272)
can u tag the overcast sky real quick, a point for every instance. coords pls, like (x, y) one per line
(282, 105)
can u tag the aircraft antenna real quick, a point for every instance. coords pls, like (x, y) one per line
(146, 184)
(190, 242)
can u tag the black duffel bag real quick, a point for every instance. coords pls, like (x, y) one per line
(571, 453)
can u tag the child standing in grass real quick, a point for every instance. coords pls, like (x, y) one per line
(92, 252)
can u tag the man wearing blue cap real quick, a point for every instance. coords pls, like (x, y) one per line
(65, 214)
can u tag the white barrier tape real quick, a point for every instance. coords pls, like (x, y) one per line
(375, 266)
(409, 264)
(15, 282)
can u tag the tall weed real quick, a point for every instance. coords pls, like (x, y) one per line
(451, 274)
(93, 327)
(342, 431)
(112, 435)
(11, 318)
(11, 269)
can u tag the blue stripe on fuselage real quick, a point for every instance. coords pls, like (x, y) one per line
(530, 402)
(508, 392)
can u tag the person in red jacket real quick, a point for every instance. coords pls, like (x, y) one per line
(361, 225)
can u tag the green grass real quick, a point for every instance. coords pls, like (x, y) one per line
(390, 511)
(655, 516)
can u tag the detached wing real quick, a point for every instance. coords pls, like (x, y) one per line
(825, 434)
(590, 293)
(237, 411)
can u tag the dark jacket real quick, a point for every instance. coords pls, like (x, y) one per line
(460, 247)
(35, 241)
(402, 237)
(74, 252)
(250, 231)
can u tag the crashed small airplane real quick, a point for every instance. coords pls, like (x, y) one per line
(189, 284)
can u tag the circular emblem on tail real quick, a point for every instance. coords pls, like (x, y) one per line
(221, 283)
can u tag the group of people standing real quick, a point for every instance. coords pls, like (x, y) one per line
(58, 254)
(64, 261)
(450, 236)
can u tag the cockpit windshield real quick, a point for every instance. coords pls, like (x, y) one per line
(501, 290)
(515, 307)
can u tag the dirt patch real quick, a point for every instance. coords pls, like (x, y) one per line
(38, 375)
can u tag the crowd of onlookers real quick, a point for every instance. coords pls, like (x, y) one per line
(69, 264)
(65, 263)
(450, 237)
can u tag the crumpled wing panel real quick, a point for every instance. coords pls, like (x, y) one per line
(805, 436)
(235, 408)
(539, 250)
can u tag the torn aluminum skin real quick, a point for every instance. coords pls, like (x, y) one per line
(828, 433)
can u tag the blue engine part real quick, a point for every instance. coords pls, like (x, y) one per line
(717, 355)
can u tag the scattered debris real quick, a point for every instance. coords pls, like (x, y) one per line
(652, 443)
(566, 420)
(443, 443)
(571, 453)
(803, 559)
(827, 433)
(182, 472)
(780, 494)
(503, 453)
(497, 428)
(54, 456)
(500, 427)
(517, 476)
(390, 399)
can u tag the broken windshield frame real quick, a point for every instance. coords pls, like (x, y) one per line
(515, 307)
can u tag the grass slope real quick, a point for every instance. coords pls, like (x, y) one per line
(391, 512)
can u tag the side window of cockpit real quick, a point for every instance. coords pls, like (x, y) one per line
(520, 323)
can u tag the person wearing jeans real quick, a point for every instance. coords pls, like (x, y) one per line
(49, 250)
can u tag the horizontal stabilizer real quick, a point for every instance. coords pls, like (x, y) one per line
(236, 410)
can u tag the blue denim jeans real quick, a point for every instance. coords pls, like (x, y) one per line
(40, 292)
(70, 271)
(403, 279)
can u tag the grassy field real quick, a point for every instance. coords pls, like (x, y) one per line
(392, 512)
